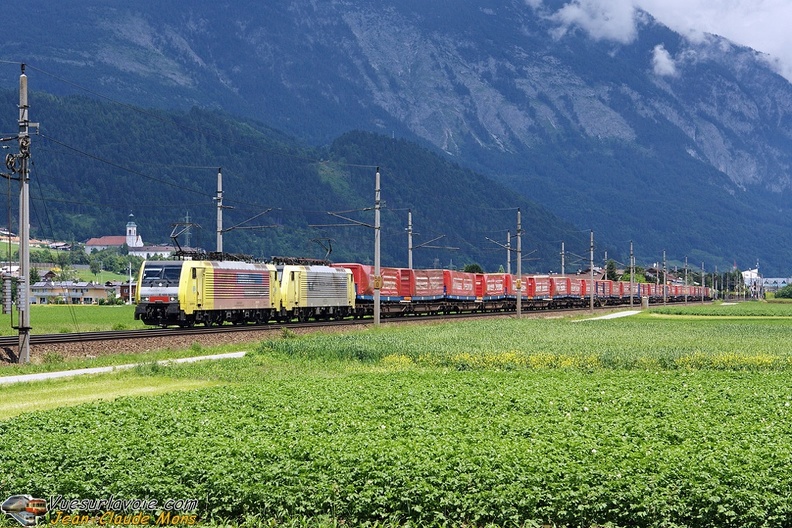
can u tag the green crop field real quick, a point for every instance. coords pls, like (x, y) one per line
(653, 420)
(742, 309)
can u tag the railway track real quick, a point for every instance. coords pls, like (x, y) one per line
(154, 333)
(38, 340)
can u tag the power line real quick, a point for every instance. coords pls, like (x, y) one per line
(169, 120)
(121, 167)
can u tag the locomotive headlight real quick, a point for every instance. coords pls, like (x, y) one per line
(144, 299)
(172, 299)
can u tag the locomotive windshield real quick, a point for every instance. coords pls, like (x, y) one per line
(162, 271)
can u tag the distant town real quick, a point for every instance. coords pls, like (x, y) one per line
(75, 275)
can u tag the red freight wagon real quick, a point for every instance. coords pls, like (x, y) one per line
(693, 291)
(406, 283)
(627, 292)
(560, 286)
(604, 288)
(618, 289)
(479, 285)
(585, 285)
(391, 283)
(428, 284)
(459, 285)
(651, 290)
(364, 281)
(526, 286)
(540, 287)
(577, 287)
(497, 285)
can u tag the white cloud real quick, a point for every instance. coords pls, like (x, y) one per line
(760, 24)
(663, 62)
(601, 19)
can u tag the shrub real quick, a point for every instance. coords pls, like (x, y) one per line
(785, 292)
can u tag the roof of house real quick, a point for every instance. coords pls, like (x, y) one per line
(160, 247)
(107, 241)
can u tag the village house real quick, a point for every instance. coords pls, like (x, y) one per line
(132, 240)
(68, 292)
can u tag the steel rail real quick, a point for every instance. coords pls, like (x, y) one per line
(148, 333)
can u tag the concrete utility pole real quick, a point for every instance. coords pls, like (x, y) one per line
(508, 252)
(409, 239)
(377, 275)
(665, 278)
(23, 288)
(703, 283)
(686, 281)
(219, 200)
(519, 264)
(591, 271)
(187, 230)
(563, 255)
(411, 247)
(632, 274)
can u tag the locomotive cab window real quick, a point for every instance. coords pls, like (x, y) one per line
(194, 273)
(171, 273)
(152, 272)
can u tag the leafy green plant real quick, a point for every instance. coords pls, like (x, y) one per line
(50, 358)
(288, 333)
(784, 293)
(652, 420)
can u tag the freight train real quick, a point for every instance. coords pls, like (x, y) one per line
(213, 292)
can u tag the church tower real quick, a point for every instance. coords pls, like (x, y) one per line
(133, 240)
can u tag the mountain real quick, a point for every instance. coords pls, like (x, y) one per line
(674, 144)
(95, 162)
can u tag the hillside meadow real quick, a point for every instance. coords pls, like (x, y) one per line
(659, 419)
(72, 318)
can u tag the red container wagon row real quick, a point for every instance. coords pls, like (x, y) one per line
(405, 291)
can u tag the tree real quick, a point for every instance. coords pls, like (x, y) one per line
(639, 275)
(610, 270)
(784, 293)
(95, 266)
(66, 272)
(473, 268)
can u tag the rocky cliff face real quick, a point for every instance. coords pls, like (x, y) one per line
(516, 89)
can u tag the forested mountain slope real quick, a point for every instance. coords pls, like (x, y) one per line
(644, 135)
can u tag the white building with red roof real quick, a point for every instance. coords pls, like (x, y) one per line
(131, 239)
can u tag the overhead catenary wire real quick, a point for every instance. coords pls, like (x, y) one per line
(171, 122)
(168, 120)
(123, 168)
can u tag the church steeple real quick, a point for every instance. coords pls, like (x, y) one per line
(132, 238)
